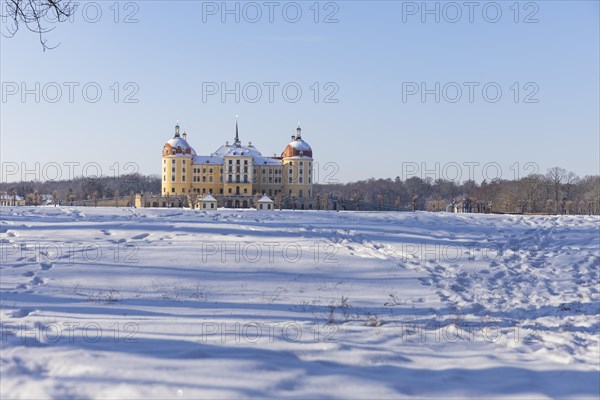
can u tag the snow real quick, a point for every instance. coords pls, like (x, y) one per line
(180, 142)
(233, 150)
(177, 303)
(208, 197)
(265, 199)
(300, 145)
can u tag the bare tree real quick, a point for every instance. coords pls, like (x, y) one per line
(555, 176)
(36, 16)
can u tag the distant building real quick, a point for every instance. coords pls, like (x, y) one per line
(9, 200)
(234, 173)
(207, 203)
(265, 203)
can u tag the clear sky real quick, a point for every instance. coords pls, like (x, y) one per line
(373, 58)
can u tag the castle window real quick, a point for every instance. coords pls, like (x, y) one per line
(183, 178)
(300, 180)
(301, 172)
(184, 161)
(164, 161)
(173, 161)
(173, 178)
(183, 190)
(300, 163)
(172, 190)
(164, 178)
(245, 190)
(210, 170)
(237, 162)
(245, 162)
(230, 162)
(203, 170)
(183, 170)
(309, 180)
(221, 190)
(210, 178)
(290, 180)
(173, 169)
(203, 179)
(290, 171)
(229, 190)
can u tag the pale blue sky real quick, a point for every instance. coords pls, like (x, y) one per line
(368, 54)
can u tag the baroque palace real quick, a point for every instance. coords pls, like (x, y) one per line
(234, 175)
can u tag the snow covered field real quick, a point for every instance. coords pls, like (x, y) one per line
(172, 303)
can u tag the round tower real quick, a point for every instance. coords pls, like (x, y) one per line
(177, 158)
(297, 159)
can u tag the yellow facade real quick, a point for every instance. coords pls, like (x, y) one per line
(234, 174)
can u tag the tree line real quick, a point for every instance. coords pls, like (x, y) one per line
(556, 191)
(82, 188)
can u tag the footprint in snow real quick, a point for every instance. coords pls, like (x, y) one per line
(141, 236)
(29, 274)
(37, 281)
(20, 313)
(46, 266)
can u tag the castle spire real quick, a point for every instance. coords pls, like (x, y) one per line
(298, 131)
(237, 137)
(177, 129)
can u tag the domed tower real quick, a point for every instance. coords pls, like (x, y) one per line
(177, 158)
(297, 159)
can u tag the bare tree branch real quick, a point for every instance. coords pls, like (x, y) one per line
(34, 15)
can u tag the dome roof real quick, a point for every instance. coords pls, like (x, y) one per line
(178, 145)
(297, 148)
